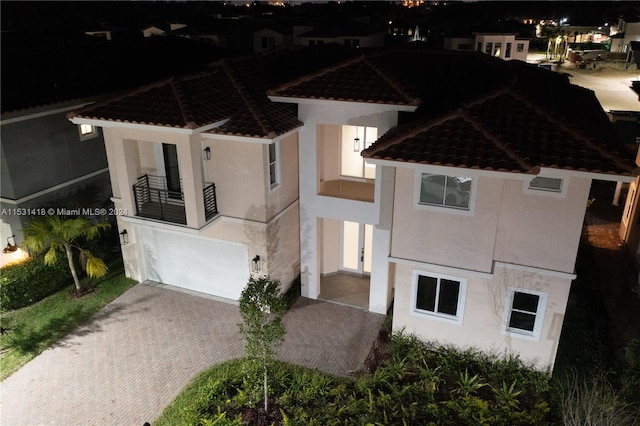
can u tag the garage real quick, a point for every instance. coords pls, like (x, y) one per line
(219, 268)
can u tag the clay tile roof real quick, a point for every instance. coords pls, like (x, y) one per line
(228, 90)
(501, 131)
(185, 102)
(356, 80)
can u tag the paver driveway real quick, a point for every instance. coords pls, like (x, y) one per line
(136, 355)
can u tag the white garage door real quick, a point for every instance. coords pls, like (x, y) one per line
(209, 266)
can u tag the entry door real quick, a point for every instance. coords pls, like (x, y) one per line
(172, 172)
(357, 241)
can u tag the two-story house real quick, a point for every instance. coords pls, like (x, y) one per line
(468, 217)
(448, 182)
(503, 46)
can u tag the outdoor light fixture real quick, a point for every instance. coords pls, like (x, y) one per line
(356, 144)
(10, 248)
(255, 264)
(206, 154)
(124, 237)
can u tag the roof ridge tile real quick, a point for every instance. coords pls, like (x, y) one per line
(411, 100)
(183, 103)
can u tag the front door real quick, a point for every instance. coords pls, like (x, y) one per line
(172, 172)
(357, 241)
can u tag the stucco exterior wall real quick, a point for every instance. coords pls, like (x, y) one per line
(441, 235)
(484, 317)
(541, 230)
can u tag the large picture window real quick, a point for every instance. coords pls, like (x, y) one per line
(439, 296)
(446, 191)
(525, 312)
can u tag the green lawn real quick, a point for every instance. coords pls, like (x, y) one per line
(34, 328)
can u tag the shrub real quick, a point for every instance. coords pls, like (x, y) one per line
(28, 282)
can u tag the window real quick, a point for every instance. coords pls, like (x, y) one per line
(498, 50)
(519, 47)
(479, 49)
(87, 131)
(540, 183)
(488, 48)
(446, 191)
(353, 140)
(438, 296)
(507, 52)
(268, 42)
(274, 178)
(525, 313)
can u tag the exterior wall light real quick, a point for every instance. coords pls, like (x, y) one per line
(124, 237)
(10, 248)
(206, 154)
(356, 145)
(255, 264)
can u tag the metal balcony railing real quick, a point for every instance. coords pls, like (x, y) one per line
(153, 200)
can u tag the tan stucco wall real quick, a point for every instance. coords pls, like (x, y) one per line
(441, 236)
(541, 230)
(328, 140)
(482, 325)
(506, 224)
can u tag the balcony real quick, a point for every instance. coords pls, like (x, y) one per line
(153, 200)
(349, 189)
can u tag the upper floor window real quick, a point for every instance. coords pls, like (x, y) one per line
(445, 191)
(87, 131)
(438, 296)
(488, 48)
(519, 47)
(507, 51)
(274, 172)
(525, 312)
(540, 183)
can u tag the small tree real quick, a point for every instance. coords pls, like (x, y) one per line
(55, 234)
(262, 308)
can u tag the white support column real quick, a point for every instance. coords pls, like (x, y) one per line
(616, 195)
(307, 155)
(190, 166)
(380, 286)
(125, 155)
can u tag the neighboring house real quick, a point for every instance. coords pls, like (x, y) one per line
(463, 212)
(351, 37)
(503, 46)
(269, 38)
(45, 159)
(623, 34)
(468, 218)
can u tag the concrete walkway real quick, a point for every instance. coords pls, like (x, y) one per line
(138, 353)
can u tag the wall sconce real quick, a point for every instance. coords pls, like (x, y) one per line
(255, 264)
(356, 145)
(124, 237)
(10, 248)
(206, 154)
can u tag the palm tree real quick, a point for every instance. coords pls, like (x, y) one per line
(55, 234)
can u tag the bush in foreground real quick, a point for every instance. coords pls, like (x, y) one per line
(407, 382)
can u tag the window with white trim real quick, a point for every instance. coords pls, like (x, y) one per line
(519, 47)
(525, 313)
(274, 172)
(87, 131)
(446, 191)
(540, 183)
(438, 296)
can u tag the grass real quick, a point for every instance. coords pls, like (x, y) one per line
(34, 328)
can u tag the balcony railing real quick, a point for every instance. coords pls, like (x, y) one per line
(155, 201)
